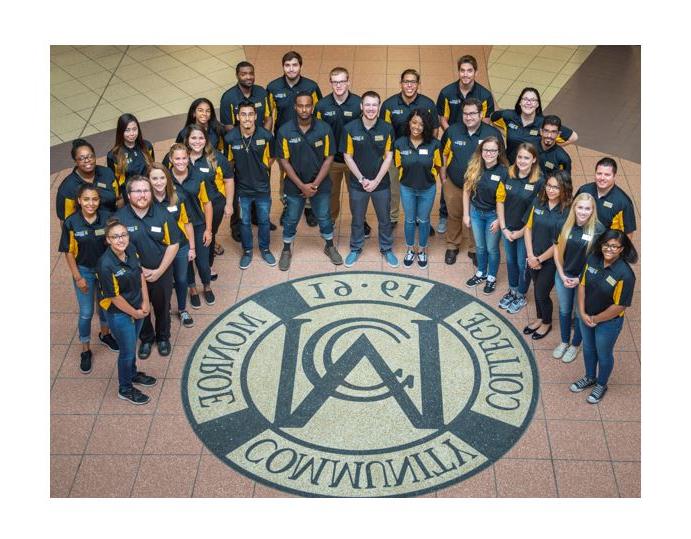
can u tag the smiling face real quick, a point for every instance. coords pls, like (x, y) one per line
(549, 134)
(202, 113)
(197, 141)
(85, 160)
(553, 190)
(140, 195)
(409, 85)
(180, 161)
(604, 177)
(471, 117)
(89, 201)
(611, 250)
(339, 83)
(490, 153)
(417, 126)
(583, 210)
(246, 77)
(370, 107)
(118, 238)
(524, 161)
(247, 117)
(158, 181)
(529, 103)
(291, 69)
(466, 74)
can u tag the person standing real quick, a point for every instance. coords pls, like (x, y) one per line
(459, 143)
(337, 109)
(367, 149)
(250, 152)
(131, 154)
(305, 148)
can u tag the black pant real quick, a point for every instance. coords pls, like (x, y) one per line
(543, 282)
(218, 204)
(160, 293)
(235, 218)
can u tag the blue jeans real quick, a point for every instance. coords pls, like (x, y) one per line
(486, 242)
(516, 263)
(417, 206)
(262, 204)
(85, 300)
(321, 206)
(125, 330)
(381, 200)
(180, 264)
(567, 302)
(201, 260)
(598, 348)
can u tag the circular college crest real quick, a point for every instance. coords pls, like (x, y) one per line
(360, 384)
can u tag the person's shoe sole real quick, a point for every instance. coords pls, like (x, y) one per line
(148, 399)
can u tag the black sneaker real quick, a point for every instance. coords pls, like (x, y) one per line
(310, 217)
(143, 380)
(214, 276)
(235, 233)
(209, 297)
(422, 260)
(144, 350)
(163, 347)
(195, 302)
(580, 385)
(368, 230)
(272, 226)
(597, 394)
(475, 280)
(450, 256)
(409, 258)
(134, 396)
(85, 363)
(109, 341)
(186, 319)
(489, 286)
(473, 258)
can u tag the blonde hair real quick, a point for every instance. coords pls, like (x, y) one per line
(535, 172)
(171, 194)
(476, 166)
(588, 228)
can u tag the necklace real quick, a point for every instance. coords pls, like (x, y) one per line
(249, 142)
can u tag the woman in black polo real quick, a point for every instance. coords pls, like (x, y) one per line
(85, 171)
(544, 220)
(125, 299)
(522, 186)
(605, 290)
(576, 238)
(83, 242)
(200, 215)
(155, 235)
(173, 199)
(483, 188)
(417, 155)
(131, 155)
(212, 167)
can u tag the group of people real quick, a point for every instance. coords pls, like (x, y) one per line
(134, 230)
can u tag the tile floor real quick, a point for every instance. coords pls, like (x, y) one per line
(102, 446)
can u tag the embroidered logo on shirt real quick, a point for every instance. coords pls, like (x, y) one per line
(133, 228)
(330, 113)
(81, 234)
(405, 152)
(281, 95)
(294, 140)
(120, 272)
(512, 125)
(397, 111)
(460, 142)
(359, 138)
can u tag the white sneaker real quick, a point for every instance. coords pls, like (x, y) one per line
(570, 354)
(559, 350)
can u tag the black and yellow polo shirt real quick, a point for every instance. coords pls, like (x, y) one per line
(282, 98)
(196, 191)
(490, 188)
(305, 151)
(515, 132)
(520, 195)
(214, 139)
(177, 211)
(337, 116)
(135, 164)
(417, 166)
(66, 198)
(368, 148)
(86, 241)
(118, 278)
(251, 158)
(576, 248)
(150, 235)
(605, 286)
(615, 209)
(213, 176)
(553, 159)
(395, 111)
(231, 99)
(450, 101)
(544, 224)
(458, 147)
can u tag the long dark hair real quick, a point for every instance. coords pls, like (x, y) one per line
(565, 189)
(214, 124)
(629, 253)
(517, 106)
(427, 127)
(118, 149)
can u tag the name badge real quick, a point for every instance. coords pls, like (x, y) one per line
(495, 177)
(103, 185)
(423, 151)
(172, 209)
(549, 165)
(155, 229)
(529, 187)
(99, 232)
(347, 113)
(318, 143)
(533, 132)
(261, 142)
(132, 228)
(586, 237)
(611, 280)
(607, 204)
(378, 137)
(204, 169)
(258, 105)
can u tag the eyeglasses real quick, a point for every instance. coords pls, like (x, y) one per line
(117, 237)
(552, 187)
(83, 158)
(339, 82)
(488, 150)
(409, 82)
(471, 113)
(610, 247)
(140, 191)
(529, 99)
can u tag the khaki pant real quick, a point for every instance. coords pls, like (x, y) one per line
(339, 173)
(455, 227)
(395, 193)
